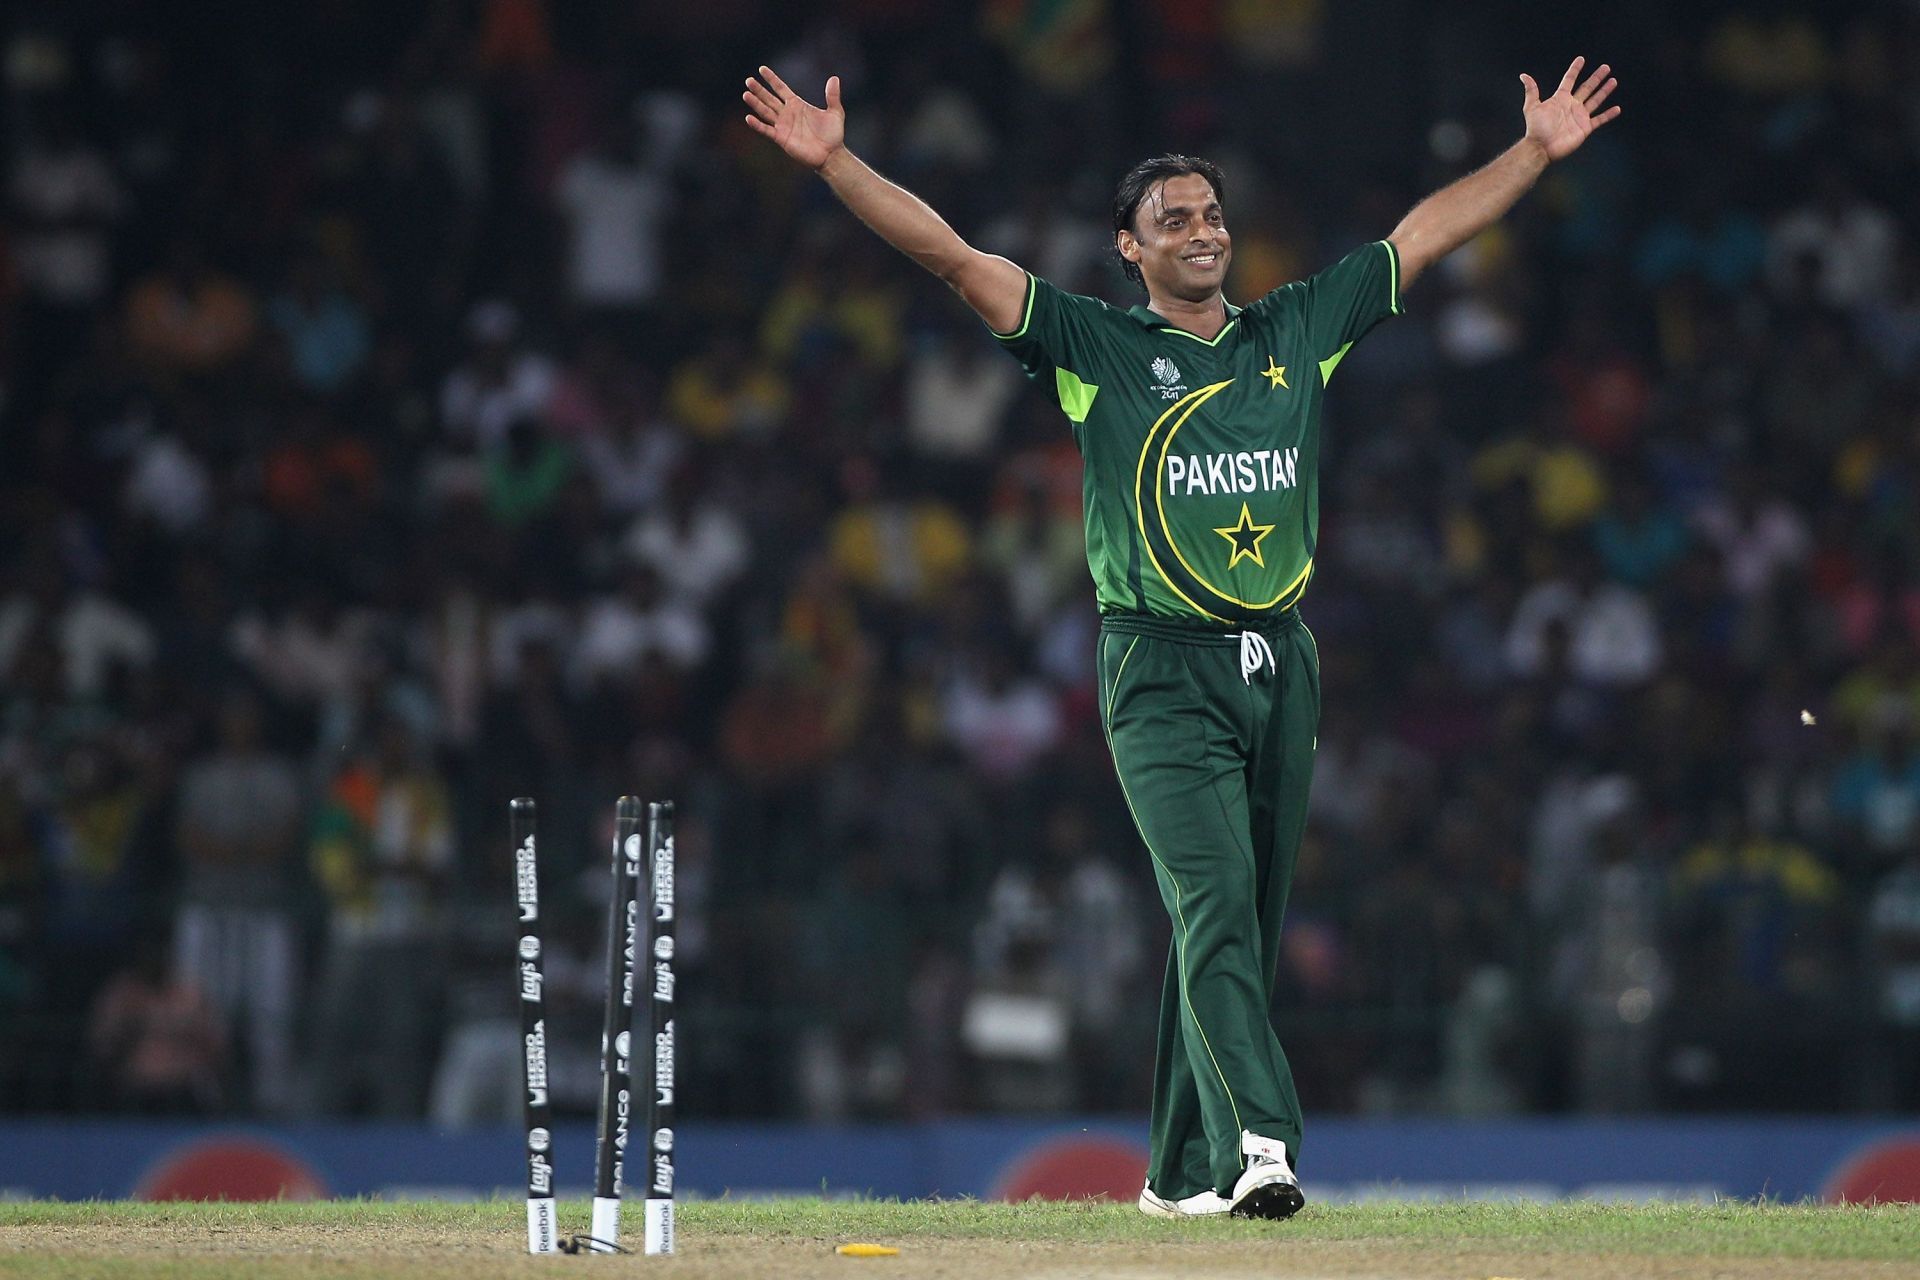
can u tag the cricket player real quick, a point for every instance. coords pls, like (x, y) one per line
(1198, 423)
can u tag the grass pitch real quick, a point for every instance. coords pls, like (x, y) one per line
(965, 1240)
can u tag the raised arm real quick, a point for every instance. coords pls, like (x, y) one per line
(1461, 210)
(815, 137)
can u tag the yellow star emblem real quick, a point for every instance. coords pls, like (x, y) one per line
(1277, 373)
(1245, 538)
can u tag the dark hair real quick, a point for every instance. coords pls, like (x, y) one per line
(1142, 178)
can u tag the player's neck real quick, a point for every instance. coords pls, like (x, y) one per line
(1203, 319)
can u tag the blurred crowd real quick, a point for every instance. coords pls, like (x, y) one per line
(406, 408)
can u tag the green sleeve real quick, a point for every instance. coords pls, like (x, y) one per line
(1339, 305)
(1055, 343)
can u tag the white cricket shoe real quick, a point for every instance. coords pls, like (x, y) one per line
(1267, 1187)
(1199, 1205)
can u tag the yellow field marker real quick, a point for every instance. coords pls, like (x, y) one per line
(866, 1251)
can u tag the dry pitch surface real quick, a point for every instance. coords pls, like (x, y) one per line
(965, 1240)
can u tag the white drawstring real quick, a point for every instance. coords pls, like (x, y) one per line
(1253, 646)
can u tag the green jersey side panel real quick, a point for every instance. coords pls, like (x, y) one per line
(1201, 458)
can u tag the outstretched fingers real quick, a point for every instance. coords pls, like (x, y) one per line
(1533, 90)
(1566, 81)
(1600, 96)
(1605, 116)
(1592, 82)
(780, 89)
(762, 103)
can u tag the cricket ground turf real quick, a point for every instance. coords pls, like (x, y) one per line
(968, 1240)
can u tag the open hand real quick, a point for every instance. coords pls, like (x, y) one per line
(1563, 122)
(807, 133)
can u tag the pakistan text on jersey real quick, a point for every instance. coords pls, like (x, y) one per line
(1258, 471)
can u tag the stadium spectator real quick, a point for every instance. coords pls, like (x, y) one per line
(239, 818)
(614, 201)
(157, 1044)
(725, 394)
(500, 383)
(696, 548)
(189, 318)
(1610, 631)
(623, 629)
(956, 399)
(92, 636)
(382, 852)
(326, 332)
(1848, 241)
(1893, 926)
(65, 202)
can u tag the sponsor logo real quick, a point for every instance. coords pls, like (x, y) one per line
(537, 1064)
(622, 1108)
(663, 1175)
(539, 1175)
(659, 1233)
(663, 1139)
(538, 1139)
(663, 1065)
(663, 946)
(529, 947)
(530, 983)
(630, 952)
(623, 1053)
(634, 851)
(543, 1225)
(527, 878)
(663, 982)
(663, 880)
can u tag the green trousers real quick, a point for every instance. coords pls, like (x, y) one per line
(1213, 735)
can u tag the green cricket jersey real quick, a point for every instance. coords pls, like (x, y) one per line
(1201, 458)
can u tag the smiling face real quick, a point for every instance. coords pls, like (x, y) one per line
(1179, 239)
